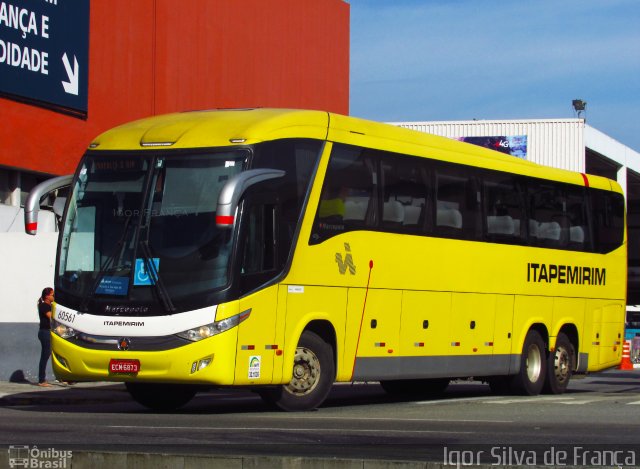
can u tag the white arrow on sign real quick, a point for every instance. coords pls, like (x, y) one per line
(71, 86)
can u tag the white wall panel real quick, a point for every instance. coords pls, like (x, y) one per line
(552, 142)
(612, 149)
(28, 263)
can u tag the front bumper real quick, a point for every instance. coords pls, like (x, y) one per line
(75, 363)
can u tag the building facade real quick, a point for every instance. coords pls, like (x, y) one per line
(71, 70)
(153, 57)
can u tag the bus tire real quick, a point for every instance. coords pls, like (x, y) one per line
(533, 363)
(314, 372)
(161, 397)
(560, 365)
(415, 387)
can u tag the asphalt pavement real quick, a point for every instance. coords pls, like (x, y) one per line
(78, 395)
(83, 394)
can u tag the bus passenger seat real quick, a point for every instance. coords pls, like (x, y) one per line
(412, 215)
(355, 208)
(449, 217)
(549, 230)
(393, 211)
(576, 234)
(502, 224)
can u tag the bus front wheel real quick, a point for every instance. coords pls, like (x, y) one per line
(314, 372)
(162, 397)
(533, 366)
(560, 366)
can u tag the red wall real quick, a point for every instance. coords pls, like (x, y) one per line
(156, 56)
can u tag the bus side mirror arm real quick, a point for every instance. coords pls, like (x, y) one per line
(234, 188)
(32, 205)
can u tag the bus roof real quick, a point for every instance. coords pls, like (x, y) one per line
(215, 128)
(231, 127)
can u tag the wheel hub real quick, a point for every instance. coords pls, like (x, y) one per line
(561, 364)
(534, 363)
(306, 372)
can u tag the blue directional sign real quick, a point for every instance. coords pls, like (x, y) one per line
(44, 52)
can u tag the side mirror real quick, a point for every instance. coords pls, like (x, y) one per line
(32, 205)
(234, 188)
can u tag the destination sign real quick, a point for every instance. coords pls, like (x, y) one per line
(44, 52)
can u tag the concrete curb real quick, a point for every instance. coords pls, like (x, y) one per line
(94, 459)
(16, 394)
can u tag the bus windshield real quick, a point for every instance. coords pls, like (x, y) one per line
(143, 229)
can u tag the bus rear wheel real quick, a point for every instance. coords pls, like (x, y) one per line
(533, 366)
(560, 366)
(161, 397)
(314, 372)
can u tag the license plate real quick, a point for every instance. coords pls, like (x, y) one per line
(126, 367)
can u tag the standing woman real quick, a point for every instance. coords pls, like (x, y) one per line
(44, 333)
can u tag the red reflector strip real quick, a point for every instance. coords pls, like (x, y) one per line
(455, 344)
(271, 347)
(585, 179)
(380, 344)
(488, 344)
(224, 219)
(418, 344)
(595, 343)
(32, 226)
(248, 347)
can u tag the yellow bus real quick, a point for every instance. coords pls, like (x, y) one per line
(285, 250)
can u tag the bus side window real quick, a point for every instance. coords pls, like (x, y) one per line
(346, 202)
(503, 208)
(608, 220)
(259, 259)
(558, 218)
(298, 158)
(456, 207)
(405, 194)
(547, 205)
(579, 235)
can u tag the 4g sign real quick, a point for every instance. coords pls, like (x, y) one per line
(44, 52)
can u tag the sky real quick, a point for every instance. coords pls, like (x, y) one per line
(441, 60)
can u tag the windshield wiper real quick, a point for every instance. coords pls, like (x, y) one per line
(154, 276)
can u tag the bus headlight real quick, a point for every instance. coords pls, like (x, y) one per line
(62, 330)
(215, 328)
